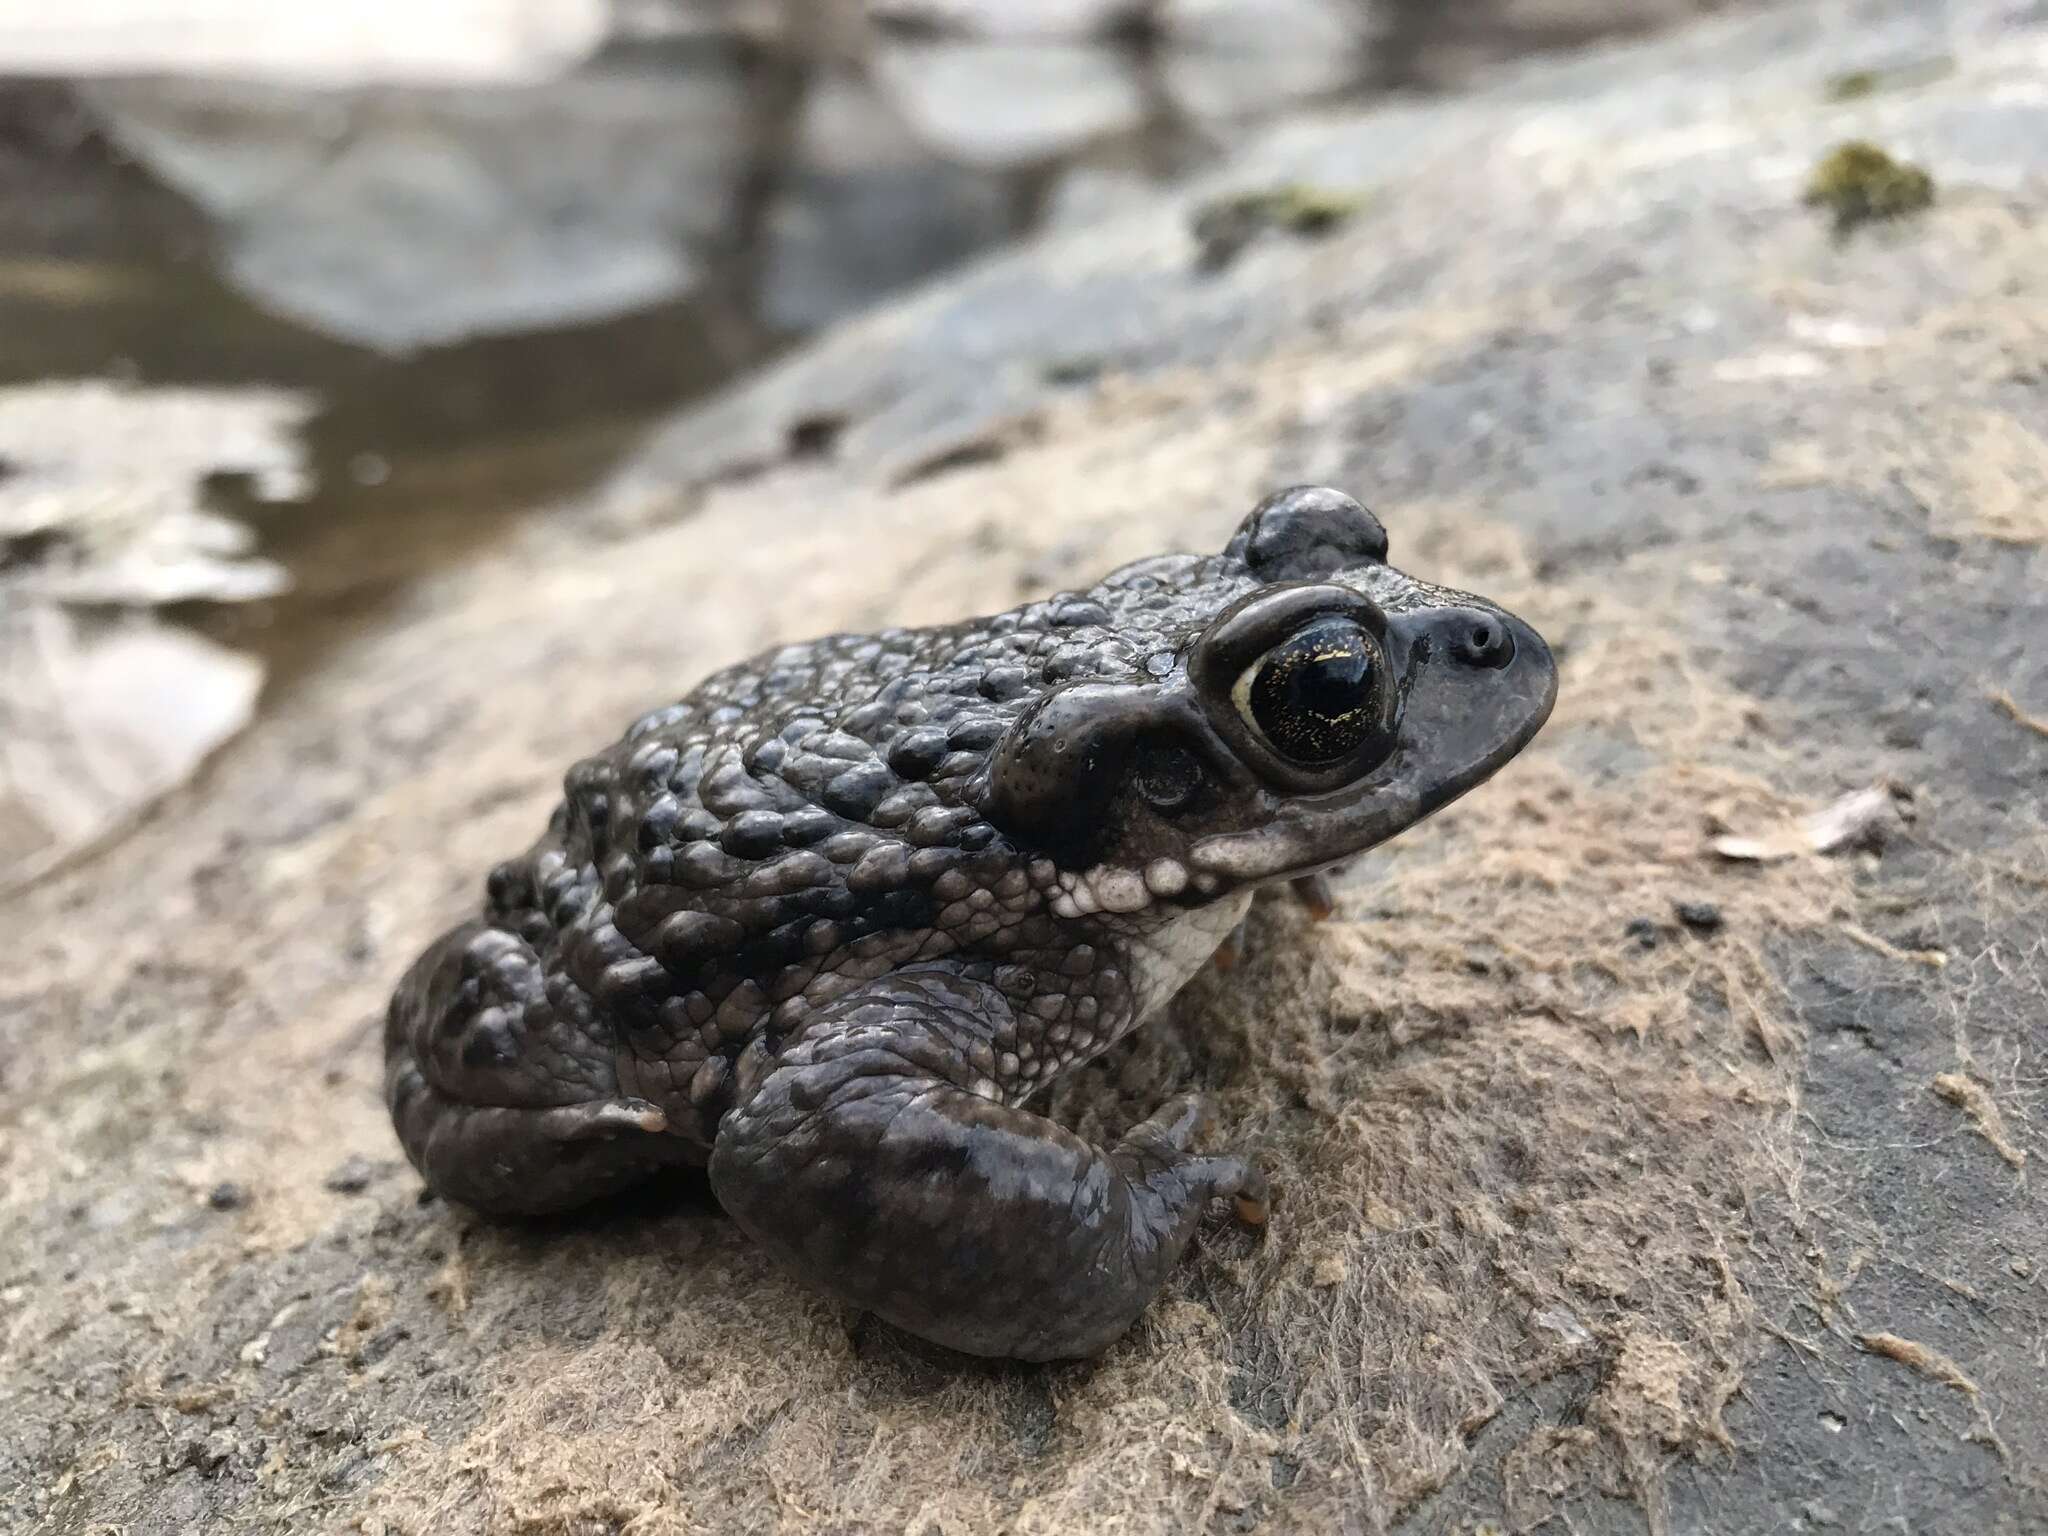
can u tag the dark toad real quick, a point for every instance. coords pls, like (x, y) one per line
(828, 925)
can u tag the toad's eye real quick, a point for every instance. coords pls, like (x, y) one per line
(1318, 696)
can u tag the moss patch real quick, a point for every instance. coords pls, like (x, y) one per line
(1857, 183)
(1856, 84)
(1224, 227)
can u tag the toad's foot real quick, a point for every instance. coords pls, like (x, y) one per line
(500, 1103)
(875, 1162)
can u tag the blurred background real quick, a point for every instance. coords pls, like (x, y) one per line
(297, 303)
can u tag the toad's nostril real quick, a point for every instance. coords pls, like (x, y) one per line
(1485, 643)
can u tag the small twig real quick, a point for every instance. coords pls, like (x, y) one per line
(2005, 701)
(1933, 959)
(1931, 1363)
(1971, 1097)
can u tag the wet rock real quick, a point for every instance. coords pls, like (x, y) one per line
(1230, 59)
(405, 218)
(104, 520)
(867, 207)
(1010, 103)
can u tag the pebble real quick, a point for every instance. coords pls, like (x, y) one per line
(352, 1177)
(1700, 916)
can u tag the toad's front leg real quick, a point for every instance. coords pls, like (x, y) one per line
(874, 1161)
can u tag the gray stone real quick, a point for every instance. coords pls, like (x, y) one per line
(402, 218)
(867, 209)
(1001, 103)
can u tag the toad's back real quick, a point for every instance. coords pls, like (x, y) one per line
(801, 823)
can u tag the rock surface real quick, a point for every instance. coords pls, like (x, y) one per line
(403, 218)
(1592, 1212)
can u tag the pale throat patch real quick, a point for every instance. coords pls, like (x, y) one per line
(1163, 954)
(1164, 959)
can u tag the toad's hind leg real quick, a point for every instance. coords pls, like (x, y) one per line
(503, 1101)
(874, 1161)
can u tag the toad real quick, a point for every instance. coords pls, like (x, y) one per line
(828, 926)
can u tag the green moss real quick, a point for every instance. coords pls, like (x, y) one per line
(1858, 183)
(1855, 84)
(1224, 227)
(1065, 372)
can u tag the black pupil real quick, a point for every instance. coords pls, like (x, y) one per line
(1315, 695)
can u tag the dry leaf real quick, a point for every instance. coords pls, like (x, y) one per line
(1931, 1363)
(1832, 827)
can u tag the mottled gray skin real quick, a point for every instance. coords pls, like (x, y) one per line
(829, 923)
